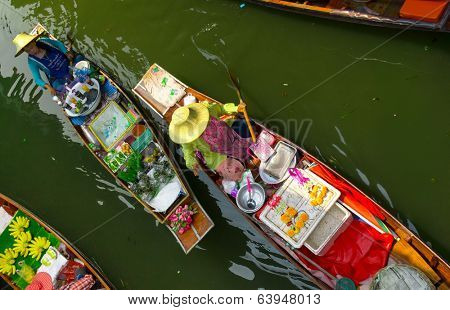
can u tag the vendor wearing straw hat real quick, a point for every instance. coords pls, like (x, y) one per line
(198, 128)
(46, 55)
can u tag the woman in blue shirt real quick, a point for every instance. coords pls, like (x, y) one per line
(46, 55)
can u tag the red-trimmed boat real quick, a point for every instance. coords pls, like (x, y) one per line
(318, 220)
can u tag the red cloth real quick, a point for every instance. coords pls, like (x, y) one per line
(358, 253)
(68, 272)
(41, 281)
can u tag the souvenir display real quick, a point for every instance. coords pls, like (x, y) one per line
(110, 125)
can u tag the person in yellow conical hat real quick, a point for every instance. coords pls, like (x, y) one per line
(48, 56)
(199, 129)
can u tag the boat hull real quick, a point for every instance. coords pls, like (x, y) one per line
(187, 241)
(407, 246)
(355, 17)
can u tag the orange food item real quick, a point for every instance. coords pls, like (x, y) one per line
(291, 233)
(313, 193)
(299, 224)
(323, 192)
(303, 217)
(290, 212)
(285, 218)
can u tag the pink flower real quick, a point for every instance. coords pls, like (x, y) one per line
(182, 230)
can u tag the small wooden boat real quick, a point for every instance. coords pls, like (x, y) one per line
(9, 210)
(134, 152)
(370, 221)
(407, 14)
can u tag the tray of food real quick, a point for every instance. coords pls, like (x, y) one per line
(298, 206)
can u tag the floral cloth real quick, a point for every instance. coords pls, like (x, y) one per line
(224, 140)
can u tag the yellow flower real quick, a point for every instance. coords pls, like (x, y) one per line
(18, 226)
(22, 242)
(37, 246)
(7, 261)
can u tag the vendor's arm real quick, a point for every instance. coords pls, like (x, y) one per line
(212, 159)
(189, 155)
(36, 73)
(217, 110)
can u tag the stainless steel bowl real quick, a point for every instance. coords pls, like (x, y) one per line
(258, 195)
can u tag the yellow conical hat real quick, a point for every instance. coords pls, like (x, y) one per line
(188, 123)
(23, 39)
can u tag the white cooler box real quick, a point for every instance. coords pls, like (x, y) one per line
(333, 223)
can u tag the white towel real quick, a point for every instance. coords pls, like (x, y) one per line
(166, 196)
(5, 219)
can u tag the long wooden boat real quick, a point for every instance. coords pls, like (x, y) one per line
(160, 195)
(405, 248)
(10, 208)
(412, 14)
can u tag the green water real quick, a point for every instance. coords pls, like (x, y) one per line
(383, 123)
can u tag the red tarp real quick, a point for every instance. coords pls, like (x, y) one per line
(358, 253)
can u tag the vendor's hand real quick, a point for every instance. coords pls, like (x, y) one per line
(70, 55)
(241, 107)
(51, 90)
(195, 169)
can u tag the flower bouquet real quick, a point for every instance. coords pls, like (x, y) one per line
(181, 219)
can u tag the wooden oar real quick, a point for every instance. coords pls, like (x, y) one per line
(242, 107)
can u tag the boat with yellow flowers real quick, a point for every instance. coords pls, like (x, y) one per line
(35, 256)
(323, 224)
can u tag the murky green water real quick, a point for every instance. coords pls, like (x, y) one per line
(382, 122)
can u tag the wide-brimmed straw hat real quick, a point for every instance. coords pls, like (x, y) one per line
(188, 123)
(22, 40)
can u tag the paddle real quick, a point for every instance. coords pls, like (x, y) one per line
(242, 107)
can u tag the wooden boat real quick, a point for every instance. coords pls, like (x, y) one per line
(406, 248)
(406, 14)
(12, 208)
(168, 191)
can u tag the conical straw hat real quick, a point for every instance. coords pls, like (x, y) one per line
(23, 39)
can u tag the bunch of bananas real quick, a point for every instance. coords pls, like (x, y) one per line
(18, 226)
(37, 246)
(7, 262)
(22, 243)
